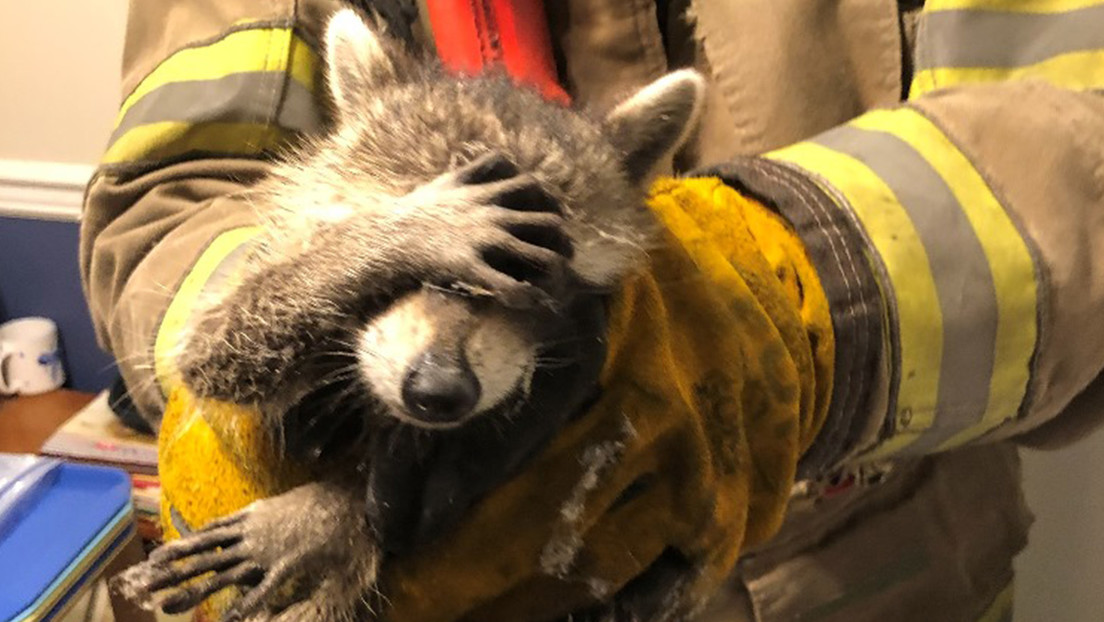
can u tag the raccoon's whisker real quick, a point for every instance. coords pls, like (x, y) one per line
(546, 361)
(142, 385)
(555, 365)
(339, 377)
(343, 370)
(379, 593)
(351, 345)
(146, 354)
(499, 428)
(351, 391)
(367, 605)
(323, 355)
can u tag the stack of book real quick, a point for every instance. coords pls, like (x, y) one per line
(94, 435)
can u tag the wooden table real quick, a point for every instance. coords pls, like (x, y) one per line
(26, 423)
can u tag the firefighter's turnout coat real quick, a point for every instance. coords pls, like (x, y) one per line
(942, 168)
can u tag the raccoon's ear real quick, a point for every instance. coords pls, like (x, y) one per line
(655, 121)
(359, 59)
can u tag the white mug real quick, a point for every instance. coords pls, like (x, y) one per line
(29, 359)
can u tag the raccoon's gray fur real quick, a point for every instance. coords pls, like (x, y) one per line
(470, 200)
(400, 126)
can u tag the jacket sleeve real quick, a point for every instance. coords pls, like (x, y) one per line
(956, 234)
(211, 91)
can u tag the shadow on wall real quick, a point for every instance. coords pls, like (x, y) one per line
(39, 275)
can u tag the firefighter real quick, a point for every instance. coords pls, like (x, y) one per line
(941, 167)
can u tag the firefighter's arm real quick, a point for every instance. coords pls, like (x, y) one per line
(210, 90)
(956, 236)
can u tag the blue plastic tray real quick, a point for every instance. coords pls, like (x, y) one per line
(83, 514)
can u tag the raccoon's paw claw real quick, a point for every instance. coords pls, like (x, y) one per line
(486, 168)
(540, 230)
(133, 583)
(531, 270)
(506, 236)
(511, 292)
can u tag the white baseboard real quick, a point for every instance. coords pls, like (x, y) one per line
(42, 190)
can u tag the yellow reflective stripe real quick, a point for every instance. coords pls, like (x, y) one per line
(258, 49)
(906, 261)
(226, 97)
(1009, 259)
(303, 65)
(170, 138)
(167, 343)
(1010, 6)
(1076, 70)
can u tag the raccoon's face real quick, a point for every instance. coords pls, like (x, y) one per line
(436, 359)
(419, 355)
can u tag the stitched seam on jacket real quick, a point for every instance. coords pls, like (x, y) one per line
(847, 269)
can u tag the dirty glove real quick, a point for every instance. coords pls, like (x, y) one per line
(717, 377)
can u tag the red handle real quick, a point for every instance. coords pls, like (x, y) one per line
(475, 35)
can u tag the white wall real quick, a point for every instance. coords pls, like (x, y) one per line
(59, 76)
(1061, 574)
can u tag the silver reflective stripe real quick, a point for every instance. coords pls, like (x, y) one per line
(226, 269)
(979, 38)
(299, 111)
(246, 97)
(958, 265)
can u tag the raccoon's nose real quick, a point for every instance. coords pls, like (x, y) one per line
(437, 391)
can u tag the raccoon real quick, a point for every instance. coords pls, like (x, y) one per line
(424, 309)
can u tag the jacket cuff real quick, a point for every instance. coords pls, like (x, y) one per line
(835, 247)
(937, 258)
(214, 273)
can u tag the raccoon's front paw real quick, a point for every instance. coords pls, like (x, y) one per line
(278, 552)
(513, 229)
(165, 580)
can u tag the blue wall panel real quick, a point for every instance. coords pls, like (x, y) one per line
(39, 275)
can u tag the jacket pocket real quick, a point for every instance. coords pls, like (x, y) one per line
(943, 551)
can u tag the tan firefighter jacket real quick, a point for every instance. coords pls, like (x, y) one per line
(956, 237)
